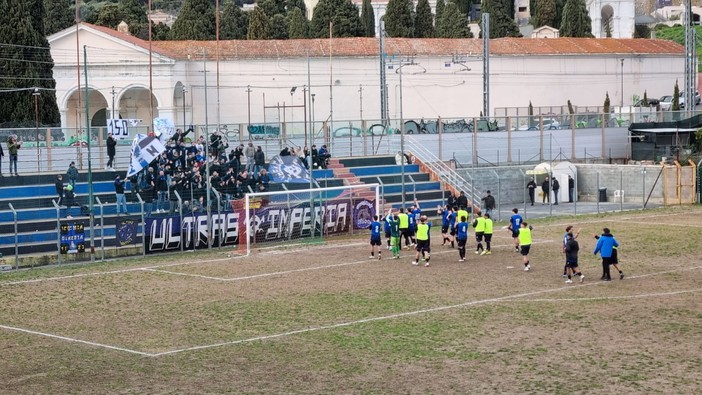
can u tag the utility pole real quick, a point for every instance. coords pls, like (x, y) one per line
(383, 77)
(485, 29)
(690, 57)
(248, 100)
(207, 156)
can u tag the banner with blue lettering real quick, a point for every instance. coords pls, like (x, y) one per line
(288, 169)
(271, 222)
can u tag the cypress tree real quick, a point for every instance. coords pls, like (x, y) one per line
(367, 19)
(675, 106)
(272, 7)
(28, 59)
(195, 21)
(440, 5)
(279, 27)
(606, 107)
(502, 22)
(233, 23)
(160, 32)
(135, 16)
(576, 20)
(110, 16)
(398, 18)
(342, 13)
(454, 23)
(424, 21)
(544, 14)
(259, 25)
(57, 16)
(297, 24)
(299, 4)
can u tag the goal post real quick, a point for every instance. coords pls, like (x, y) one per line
(301, 215)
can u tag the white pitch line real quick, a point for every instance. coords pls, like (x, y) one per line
(660, 224)
(70, 339)
(182, 274)
(639, 296)
(398, 315)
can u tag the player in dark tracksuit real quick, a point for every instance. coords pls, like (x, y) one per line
(571, 249)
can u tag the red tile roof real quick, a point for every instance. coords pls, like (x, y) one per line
(364, 46)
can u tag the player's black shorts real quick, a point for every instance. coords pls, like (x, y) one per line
(524, 250)
(462, 243)
(452, 232)
(423, 245)
(375, 241)
(444, 228)
(614, 259)
(572, 263)
(606, 261)
(387, 234)
(478, 236)
(411, 231)
(515, 233)
(488, 237)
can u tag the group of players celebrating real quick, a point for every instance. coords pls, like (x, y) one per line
(412, 226)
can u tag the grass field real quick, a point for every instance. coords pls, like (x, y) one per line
(326, 319)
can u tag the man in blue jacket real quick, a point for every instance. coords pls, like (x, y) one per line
(606, 246)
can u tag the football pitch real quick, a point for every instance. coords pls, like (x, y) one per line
(325, 318)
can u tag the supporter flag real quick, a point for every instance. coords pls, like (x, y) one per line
(144, 150)
(288, 169)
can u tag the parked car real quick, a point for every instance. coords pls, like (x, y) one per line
(698, 99)
(666, 102)
(651, 103)
(549, 123)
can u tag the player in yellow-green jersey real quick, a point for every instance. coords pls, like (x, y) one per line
(525, 244)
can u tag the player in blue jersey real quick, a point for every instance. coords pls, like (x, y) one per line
(412, 222)
(445, 214)
(375, 237)
(452, 225)
(515, 222)
(462, 237)
(387, 230)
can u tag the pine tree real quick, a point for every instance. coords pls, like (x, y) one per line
(195, 21)
(342, 13)
(233, 23)
(259, 25)
(110, 16)
(367, 19)
(297, 24)
(398, 18)
(424, 20)
(272, 7)
(454, 23)
(559, 14)
(644, 101)
(279, 27)
(544, 14)
(160, 32)
(28, 60)
(57, 16)
(501, 20)
(576, 20)
(440, 5)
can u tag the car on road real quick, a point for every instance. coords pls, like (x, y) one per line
(698, 98)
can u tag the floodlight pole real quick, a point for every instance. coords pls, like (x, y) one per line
(90, 164)
(207, 155)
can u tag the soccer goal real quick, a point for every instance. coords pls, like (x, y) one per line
(306, 215)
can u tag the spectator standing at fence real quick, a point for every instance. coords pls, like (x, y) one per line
(72, 174)
(59, 189)
(13, 145)
(324, 156)
(315, 156)
(462, 201)
(451, 199)
(111, 151)
(531, 187)
(259, 160)
(545, 189)
(2, 155)
(121, 198)
(488, 202)
(250, 152)
(555, 186)
(162, 192)
(571, 189)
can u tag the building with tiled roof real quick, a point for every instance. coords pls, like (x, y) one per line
(443, 77)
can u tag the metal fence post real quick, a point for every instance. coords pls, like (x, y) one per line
(14, 215)
(102, 228)
(643, 192)
(180, 215)
(143, 226)
(598, 192)
(621, 191)
(58, 229)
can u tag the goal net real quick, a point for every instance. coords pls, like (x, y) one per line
(305, 215)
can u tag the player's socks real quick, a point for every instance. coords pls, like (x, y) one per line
(452, 245)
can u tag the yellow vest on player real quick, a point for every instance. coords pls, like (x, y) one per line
(404, 220)
(524, 236)
(422, 231)
(488, 226)
(479, 224)
(461, 213)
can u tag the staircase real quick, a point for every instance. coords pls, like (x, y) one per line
(342, 172)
